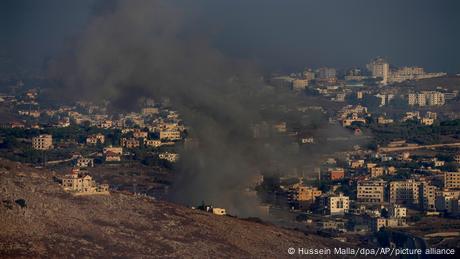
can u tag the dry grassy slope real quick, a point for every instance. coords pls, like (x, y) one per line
(56, 224)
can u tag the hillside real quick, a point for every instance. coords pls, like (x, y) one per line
(39, 219)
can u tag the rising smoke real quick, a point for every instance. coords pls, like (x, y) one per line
(152, 48)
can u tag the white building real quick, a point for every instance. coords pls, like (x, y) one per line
(380, 68)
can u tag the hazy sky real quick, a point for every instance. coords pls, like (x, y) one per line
(279, 34)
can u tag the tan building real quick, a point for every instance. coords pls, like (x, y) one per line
(299, 84)
(116, 150)
(383, 120)
(427, 196)
(152, 142)
(357, 163)
(427, 121)
(396, 211)
(380, 69)
(85, 162)
(140, 134)
(219, 211)
(80, 184)
(130, 143)
(112, 157)
(94, 139)
(452, 180)
(371, 191)
(170, 134)
(307, 193)
(405, 192)
(338, 204)
(150, 111)
(377, 172)
(445, 200)
(42, 142)
(378, 223)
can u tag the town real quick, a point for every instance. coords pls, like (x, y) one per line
(396, 165)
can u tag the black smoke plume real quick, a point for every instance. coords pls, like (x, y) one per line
(140, 48)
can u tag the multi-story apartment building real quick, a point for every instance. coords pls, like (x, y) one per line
(396, 211)
(42, 142)
(426, 98)
(427, 196)
(406, 73)
(445, 200)
(306, 193)
(380, 69)
(452, 180)
(405, 192)
(338, 204)
(371, 191)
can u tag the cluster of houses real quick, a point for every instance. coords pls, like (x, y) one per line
(376, 197)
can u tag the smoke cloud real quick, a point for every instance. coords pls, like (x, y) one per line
(153, 48)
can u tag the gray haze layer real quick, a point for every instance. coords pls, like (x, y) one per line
(285, 35)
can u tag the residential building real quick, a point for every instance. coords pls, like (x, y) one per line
(383, 120)
(219, 211)
(42, 142)
(377, 172)
(430, 98)
(130, 143)
(306, 193)
(149, 111)
(309, 75)
(404, 192)
(380, 69)
(452, 180)
(140, 134)
(357, 163)
(336, 174)
(427, 196)
(406, 73)
(152, 143)
(85, 162)
(95, 139)
(80, 184)
(396, 211)
(170, 134)
(116, 150)
(112, 157)
(379, 223)
(371, 191)
(338, 204)
(445, 199)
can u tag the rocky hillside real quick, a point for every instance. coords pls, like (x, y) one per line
(39, 219)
